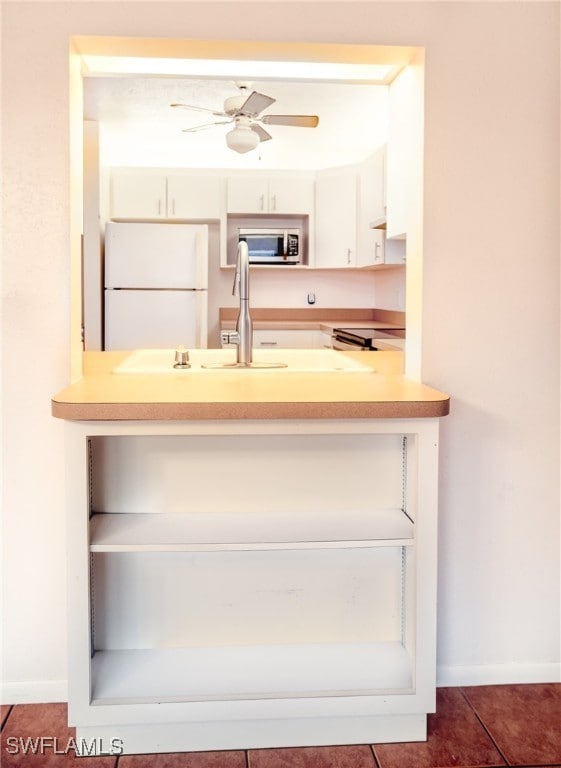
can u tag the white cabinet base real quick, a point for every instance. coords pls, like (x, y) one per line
(249, 734)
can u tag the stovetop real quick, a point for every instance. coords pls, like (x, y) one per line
(365, 334)
(364, 337)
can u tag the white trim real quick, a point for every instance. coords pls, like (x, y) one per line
(287, 732)
(498, 674)
(34, 692)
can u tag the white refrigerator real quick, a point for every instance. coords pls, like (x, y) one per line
(156, 281)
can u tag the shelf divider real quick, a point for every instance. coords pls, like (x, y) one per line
(214, 531)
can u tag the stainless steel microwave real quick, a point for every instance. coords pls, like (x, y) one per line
(273, 246)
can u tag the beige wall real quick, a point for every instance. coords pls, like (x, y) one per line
(491, 307)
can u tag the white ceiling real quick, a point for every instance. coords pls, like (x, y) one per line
(139, 128)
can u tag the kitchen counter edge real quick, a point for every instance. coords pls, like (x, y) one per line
(102, 396)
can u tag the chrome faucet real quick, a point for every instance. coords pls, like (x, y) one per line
(244, 326)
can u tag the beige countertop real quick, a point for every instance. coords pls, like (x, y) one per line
(383, 393)
(314, 318)
(323, 320)
(326, 325)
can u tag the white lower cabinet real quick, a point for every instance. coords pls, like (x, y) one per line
(324, 340)
(285, 339)
(268, 338)
(236, 585)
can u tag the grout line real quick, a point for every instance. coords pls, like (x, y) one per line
(5, 720)
(487, 731)
(375, 756)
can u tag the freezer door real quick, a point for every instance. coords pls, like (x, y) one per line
(143, 255)
(155, 319)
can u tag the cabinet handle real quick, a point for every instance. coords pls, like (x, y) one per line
(262, 202)
(349, 255)
(173, 207)
(268, 343)
(377, 255)
(159, 207)
(274, 202)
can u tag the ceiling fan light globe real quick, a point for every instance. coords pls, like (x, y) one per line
(242, 139)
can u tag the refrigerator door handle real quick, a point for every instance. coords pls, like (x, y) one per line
(198, 320)
(201, 251)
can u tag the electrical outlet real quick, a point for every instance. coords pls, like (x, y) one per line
(311, 298)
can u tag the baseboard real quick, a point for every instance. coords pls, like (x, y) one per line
(36, 692)
(497, 674)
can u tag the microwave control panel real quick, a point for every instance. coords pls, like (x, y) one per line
(292, 245)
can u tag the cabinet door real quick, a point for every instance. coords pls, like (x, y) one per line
(371, 209)
(138, 197)
(282, 339)
(288, 195)
(404, 154)
(323, 340)
(371, 251)
(194, 197)
(336, 220)
(373, 188)
(247, 195)
(375, 250)
(291, 195)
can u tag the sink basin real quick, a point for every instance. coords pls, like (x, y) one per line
(160, 361)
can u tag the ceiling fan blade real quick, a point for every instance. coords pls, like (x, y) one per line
(261, 132)
(199, 109)
(255, 103)
(301, 121)
(205, 125)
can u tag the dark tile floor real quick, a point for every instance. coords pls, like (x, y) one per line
(474, 727)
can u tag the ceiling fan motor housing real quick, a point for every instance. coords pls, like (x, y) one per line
(233, 104)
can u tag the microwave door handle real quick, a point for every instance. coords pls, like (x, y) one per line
(285, 243)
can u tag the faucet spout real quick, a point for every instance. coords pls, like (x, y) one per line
(244, 325)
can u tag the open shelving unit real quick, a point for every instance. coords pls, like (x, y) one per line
(273, 569)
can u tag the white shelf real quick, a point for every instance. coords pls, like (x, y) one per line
(248, 531)
(249, 672)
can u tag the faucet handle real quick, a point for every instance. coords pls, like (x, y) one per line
(229, 337)
(181, 358)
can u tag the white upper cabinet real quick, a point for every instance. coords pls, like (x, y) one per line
(195, 196)
(373, 188)
(404, 153)
(373, 249)
(291, 195)
(138, 197)
(336, 219)
(157, 196)
(286, 195)
(247, 194)
(371, 244)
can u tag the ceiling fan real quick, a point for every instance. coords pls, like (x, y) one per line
(244, 110)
